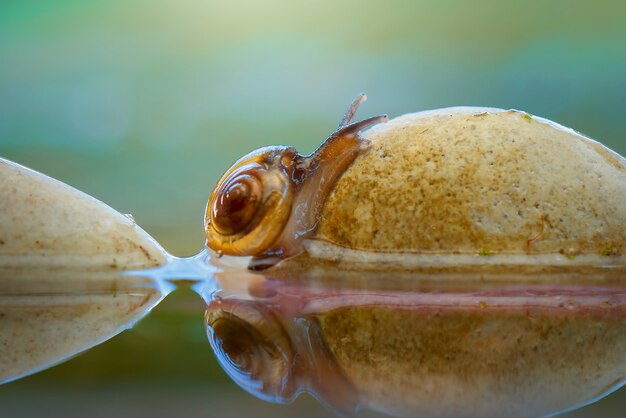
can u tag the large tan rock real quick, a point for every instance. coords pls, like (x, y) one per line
(479, 180)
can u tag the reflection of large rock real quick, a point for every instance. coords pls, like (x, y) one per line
(44, 222)
(477, 362)
(61, 291)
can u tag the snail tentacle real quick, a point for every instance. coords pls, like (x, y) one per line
(348, 117)
(355, 127)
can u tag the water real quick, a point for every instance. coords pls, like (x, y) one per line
(497, 343)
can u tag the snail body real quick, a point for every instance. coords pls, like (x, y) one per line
(455, 181)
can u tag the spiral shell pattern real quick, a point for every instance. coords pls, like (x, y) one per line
(250, 205)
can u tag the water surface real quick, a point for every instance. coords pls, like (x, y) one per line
(483, 342)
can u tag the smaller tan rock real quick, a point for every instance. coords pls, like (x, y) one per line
(44, 222)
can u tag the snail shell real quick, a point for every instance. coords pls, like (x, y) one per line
(252, 202)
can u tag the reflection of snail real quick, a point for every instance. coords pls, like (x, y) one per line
(275, 356)
(475, 181)
(255, 350)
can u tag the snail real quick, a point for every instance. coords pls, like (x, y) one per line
(456, 183)
(270, 200)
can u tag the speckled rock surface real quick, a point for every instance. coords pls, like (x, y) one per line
(479, 180)
(44, 222)
(477, 362)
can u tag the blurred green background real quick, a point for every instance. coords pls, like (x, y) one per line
(143, 104)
